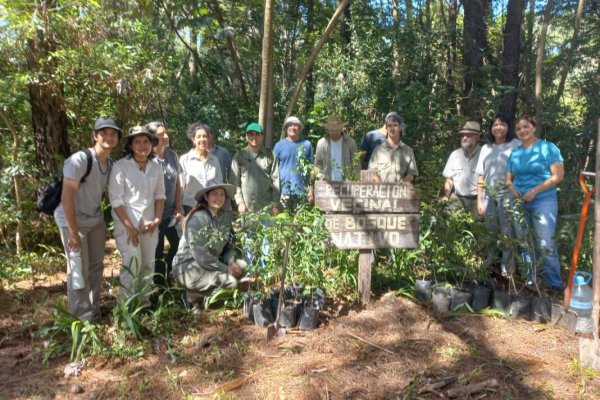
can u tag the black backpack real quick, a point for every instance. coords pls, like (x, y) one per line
(50, 197)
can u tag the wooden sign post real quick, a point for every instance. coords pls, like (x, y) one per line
(368, 215)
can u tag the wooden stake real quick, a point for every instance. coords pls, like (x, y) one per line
(365, 258)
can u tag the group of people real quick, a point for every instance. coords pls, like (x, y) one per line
(154, 194)
(511, 172)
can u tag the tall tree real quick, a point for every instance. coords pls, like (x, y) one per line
(511, 53)
(539, 61)
(239, 71)
(570, 53)
(313, 55)
(266, 75)
(474, 38)
(526, 62)
(48, 111)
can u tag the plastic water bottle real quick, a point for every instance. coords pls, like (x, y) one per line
(581, 302)
(76, 267)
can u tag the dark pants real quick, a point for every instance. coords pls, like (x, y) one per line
(164, 265)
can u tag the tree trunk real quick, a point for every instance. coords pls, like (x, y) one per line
(313, 55)
(194, 84)
(309, 98)
(511, 53)
(395, 45)
(193, 52)
(474, 37)
(570, 53)
(451, 46)
(527, 60)
(345, 33)
(16, 149)
(232, 51)
(48, 110)
(539, 60)
(266, 75)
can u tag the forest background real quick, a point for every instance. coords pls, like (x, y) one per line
(437, 62)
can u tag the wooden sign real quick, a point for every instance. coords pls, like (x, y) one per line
(364, 197)
(367, 215)
(373, 231)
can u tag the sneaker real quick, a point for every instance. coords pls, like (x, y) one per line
(194, 308)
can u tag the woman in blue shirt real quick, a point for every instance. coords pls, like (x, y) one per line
(534, 170)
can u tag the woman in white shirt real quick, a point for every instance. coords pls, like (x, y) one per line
(198, 166)
(493, 197)
(136, 191)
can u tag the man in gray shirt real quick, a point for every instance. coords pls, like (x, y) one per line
(221, 153)
(460, 187)
(80, 219)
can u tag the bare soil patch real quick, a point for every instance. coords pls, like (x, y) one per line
(394, 348)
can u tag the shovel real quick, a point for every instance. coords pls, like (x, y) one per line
(275, 329)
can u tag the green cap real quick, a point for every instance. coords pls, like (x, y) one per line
(255, 126)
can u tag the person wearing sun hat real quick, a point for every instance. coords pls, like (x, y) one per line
(80, 219)
(205, 260)
(460, 187)
(334, 155)
(136, 191)
(255, 174)
(294, 184)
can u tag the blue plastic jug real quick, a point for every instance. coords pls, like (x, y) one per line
(581, 302)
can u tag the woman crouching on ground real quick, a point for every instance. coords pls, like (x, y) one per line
(205, 259)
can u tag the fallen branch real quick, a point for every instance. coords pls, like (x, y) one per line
(474, 388)
(234, 384)
(432, 387)
(370, 343)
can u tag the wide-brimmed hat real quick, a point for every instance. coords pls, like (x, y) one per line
(334, 122)
(215, 183)
(471, 127)
(254, 127)
(140, 130)
(292, 120)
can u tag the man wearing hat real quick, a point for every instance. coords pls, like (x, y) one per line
(80, 219)
(293, 182)
(461, 179)
(255, 174)
(335, 151)
(393, 160)
(136, 191)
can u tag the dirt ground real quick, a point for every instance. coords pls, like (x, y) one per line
(392, 349)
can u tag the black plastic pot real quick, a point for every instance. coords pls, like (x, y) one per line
(480, 296)
(501, 301)
(289, 315)
(441, 301)
(520, 306)
(262, 314)
(459, 298)
(294, 292)
(541, 308)
(423, 289)
(309, 318)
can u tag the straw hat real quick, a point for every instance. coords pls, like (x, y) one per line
(215, 183)
(471, 127)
